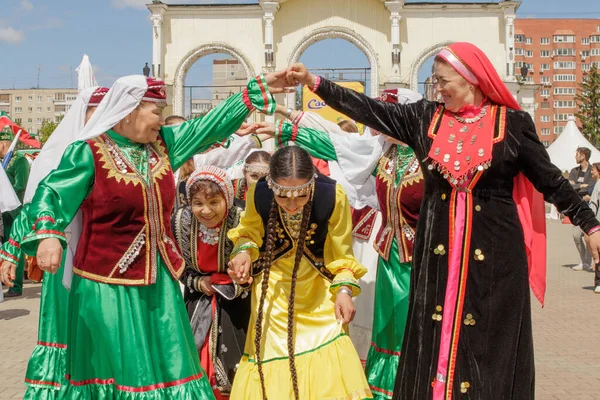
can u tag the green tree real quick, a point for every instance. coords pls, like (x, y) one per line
(46, 130)
(588, 103)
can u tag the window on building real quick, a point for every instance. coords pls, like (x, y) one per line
(519, 52)
(558, 130)
(585, 40)
(545, 118)
(545, 131)
(30, 109)
(595, 39)
(595, 52)
(49, 109)
(546, 143)
(59, 97)
(585, 67)
(545, 40)
(544, 67)
(519, 38)
(30, 98)
(29, 120)
(18, 99)
(565, 90)
(564, 78)
(71, 97)
(18, 110)
(57, 118)
(545, 92)
(545, 104)
(38, 121)
(565, 65)
(564, 39)
(39, 99)
(38, 109)
(585, 53)
(562, 117)
(545, 79)
(564, 104)
(564, 52)
(48, 99)
(528, 40)
(60, 108)
(545, 53)
(529, 53)
(18, 121)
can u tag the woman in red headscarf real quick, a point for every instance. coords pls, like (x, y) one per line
(480, 243)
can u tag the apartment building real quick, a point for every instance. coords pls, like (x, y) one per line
(30, 107)
(557, 54)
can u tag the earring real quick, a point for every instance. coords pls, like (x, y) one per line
(126, 121)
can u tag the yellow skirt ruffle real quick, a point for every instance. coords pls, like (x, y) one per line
(332, 371)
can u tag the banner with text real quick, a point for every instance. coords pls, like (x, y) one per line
(312, 102)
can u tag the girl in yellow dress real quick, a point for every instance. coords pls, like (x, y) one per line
(294, 246)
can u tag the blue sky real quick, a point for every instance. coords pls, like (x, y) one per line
(116, 34)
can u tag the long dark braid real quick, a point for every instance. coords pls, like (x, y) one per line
(268, 258)
(290, 322)
(285, 163)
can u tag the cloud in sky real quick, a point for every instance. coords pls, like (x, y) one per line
(139, 4)
(26, 5)
(11, 35)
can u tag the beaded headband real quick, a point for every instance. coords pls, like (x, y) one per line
(291, 191)
(257, 169)
(213, 174)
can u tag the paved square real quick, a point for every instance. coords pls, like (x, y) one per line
(566, 331)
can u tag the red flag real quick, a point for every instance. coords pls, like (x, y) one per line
(25, 137)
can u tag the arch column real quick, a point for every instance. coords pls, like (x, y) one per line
(420, 60)
(190, 58)
(335, 32)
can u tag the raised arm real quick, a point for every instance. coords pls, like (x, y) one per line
(396, 120)
(225, 157)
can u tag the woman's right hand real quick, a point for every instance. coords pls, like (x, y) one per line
(49, 255)
(206, 286)
(239, 268)
(8, 272)
(299, 74)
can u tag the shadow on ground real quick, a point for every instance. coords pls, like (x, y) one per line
(12, 314)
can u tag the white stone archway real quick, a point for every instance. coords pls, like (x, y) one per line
(337, 32)
(420, 60)
(190, 58)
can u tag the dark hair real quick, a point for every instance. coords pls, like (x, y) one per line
(209, 188)
(258, 156)
(587, 153)
(597, 166)
(348, 126)
(174, 120)
(288, 162)
(186, 169)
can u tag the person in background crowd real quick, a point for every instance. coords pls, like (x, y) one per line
(256, 166)
(595, 206)
(182, 175)
(581, 180)
(18, 172)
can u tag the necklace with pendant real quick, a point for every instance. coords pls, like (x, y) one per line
(293, 223)
(474, 119)
(208, 235)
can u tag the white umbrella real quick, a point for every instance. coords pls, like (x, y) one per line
(85, 74)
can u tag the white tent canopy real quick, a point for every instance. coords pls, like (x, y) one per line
(562, 151)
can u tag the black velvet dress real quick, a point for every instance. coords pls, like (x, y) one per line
(491, 332)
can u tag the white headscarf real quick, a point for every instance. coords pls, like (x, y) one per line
(8, 198)
(64, 134)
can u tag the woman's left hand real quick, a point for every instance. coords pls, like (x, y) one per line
(594, 242)
(265, 128)
(246, 129)
(344, 308)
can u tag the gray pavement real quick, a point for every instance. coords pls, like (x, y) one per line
(565, 330)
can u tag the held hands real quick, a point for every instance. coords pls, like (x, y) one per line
(239, 268)
(8, 273)
(285, 81)
(49, 255)
(265, 128)
(344, 308)
(246, 129)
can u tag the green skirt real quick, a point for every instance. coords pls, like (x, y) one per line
(132, 342)
(45, 377)
(389, 321)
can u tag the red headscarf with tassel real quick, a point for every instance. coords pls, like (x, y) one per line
(473, 65)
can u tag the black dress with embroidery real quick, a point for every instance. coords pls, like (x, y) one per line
(491, 341)
(222, 319)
